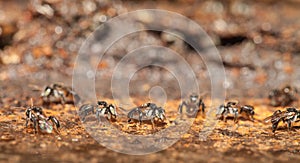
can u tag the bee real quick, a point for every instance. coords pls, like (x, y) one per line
(288, 116)
(248, 110)
(59, 93)
(232, 108)
(192, 107)
(85, 110)
(147, 111)
(102, 109)
(40, 121)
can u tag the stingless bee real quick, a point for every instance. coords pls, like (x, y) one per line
(288, 116)
(59, 93)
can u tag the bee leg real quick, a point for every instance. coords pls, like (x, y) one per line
(77, 99)
(225, 118)
(46, 100)
(140, 120)
(166, 119)
(26, 123)
(54, 122)
(128, 121)
(98, 119)
(109, 117)
(252, 118)
(203, 106)
(152, 122)
(35, 126)
(139, 125)
(181, 107)
(61, 97)
(63, 100)
(82, 115)
(274, 126)
(235, 118)
(97, 116)
(289, 124)
(83, 118)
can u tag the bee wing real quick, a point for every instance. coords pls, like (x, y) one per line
(132, 112)
(121, 109)
(112, 109)
(149, 113)
(161, 113)
(34, 87)
(275, 117)
(268, 119)
(220, 110)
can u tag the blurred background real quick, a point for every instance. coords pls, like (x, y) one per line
(259, 42)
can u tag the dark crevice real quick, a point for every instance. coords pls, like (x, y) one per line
(6, 35)
(238, 65)
(5, 41)
(232, 40)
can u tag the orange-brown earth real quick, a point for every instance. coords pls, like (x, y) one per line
(246, 141)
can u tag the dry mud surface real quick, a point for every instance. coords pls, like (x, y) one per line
(244, 142)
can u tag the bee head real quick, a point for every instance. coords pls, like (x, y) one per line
(194, 97)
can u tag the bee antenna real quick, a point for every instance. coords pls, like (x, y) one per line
(235, 101)
(31, 102)
(35, 87)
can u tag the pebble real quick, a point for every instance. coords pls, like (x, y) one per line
(43, 145)
(12, 58)
(74, 140)
(7, 138)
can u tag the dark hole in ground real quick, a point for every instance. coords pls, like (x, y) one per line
(232, 40)
(5, 41)
(6, 35)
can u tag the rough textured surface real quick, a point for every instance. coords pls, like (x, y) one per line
(245, 142)
(39, 40)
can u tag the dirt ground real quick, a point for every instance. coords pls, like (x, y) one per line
(39, 42)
